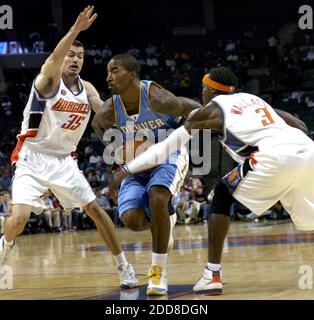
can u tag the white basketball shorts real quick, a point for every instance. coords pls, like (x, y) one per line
(37, 172)
(285, 175)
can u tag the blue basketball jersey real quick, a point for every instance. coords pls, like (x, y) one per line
(134, 191)
(146, 119)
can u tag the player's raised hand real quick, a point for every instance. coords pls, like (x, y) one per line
(85, 19)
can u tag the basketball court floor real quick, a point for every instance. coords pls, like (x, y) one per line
(261, 261)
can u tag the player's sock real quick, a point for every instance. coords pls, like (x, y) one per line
(213, 266)
(8, 243)
(160, 259)
(120, 259)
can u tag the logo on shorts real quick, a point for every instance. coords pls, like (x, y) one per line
(234, 177)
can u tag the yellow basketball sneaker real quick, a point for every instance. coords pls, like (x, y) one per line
(157, 283)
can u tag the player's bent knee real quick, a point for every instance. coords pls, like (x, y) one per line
(133, 225)
(135, 220)
(159, 196)
(222, 200)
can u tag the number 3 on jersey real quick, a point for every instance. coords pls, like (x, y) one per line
(74, 122)
(268, 118)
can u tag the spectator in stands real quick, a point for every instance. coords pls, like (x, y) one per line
(5, 180)
(51, 214)
(272, 51)
(151, 61)
(106, 53)
(94, 183)
(94, 159)
(191, 210)
(67, 220)
(6, 106)
(150, 50)
(231, 46)
(88, 151)
(38, 46)
(181, 199)
(4, 209)
(8, 201)
(65, 217)
(170, 63)
(105, 204)
(134, 51)
(201, 197)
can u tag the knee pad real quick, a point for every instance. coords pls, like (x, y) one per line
(222, 200)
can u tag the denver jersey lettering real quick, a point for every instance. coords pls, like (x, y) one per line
(145, 119)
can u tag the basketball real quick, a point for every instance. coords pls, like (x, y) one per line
(131, 149)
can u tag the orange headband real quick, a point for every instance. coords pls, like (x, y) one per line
(220, 87)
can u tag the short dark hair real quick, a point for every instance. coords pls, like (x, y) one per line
(129, 62)
(77, 43)
(223, 75)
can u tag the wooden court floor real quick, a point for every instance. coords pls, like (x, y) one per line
(261, 261)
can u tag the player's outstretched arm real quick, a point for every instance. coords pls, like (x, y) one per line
(104, 119)
(208, 117)
(48, 79)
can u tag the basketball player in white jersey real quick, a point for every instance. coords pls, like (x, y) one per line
(275, 156)
(55, 119)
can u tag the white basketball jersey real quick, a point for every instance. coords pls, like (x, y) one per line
(251, 124)
(54, 125)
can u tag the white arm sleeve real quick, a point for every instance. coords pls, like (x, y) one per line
(159, 152)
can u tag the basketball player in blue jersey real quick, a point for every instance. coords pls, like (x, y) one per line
(144, 200)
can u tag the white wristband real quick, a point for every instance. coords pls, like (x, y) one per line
(159, 152)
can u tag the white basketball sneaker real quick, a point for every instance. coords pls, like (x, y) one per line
(157, 283)
(210, 283)
(5, 250)
(127, 276)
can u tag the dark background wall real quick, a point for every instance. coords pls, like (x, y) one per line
(124, 20)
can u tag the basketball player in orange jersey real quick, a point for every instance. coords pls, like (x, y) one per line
(55, 119)
(275, 156)
(145, 200)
